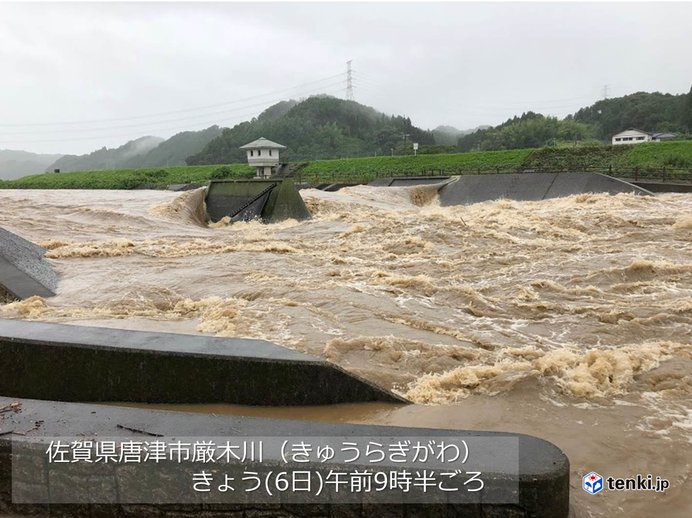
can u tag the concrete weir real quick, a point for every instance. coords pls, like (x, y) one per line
(476, 188)
(78, 363)
(243, 200)
(23, 270)
(30, 485)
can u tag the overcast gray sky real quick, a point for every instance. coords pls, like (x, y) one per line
(119, 71)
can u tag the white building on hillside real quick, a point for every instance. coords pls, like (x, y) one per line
(264, 155)
(631, 136)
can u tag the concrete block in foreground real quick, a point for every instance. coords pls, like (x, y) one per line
(23, 270)
(538, 473)
(79, 363)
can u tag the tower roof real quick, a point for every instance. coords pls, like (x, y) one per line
(262, 143)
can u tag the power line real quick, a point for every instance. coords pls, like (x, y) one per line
(349, 81)
(372, 92)
(548, 103)
(136, 117)
(482, 109)
(367, 79)
(164, 121)
(170, 128)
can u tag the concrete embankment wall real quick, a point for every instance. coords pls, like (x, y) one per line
(78, 363)
(23, 270)
(542, 479)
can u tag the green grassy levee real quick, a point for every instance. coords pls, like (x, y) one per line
(674, 157)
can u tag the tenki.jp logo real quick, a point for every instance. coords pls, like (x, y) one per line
(592, 483)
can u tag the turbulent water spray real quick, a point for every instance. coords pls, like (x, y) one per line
(578, 307)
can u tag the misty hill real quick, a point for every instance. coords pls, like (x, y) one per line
(105, 158)
(646, 111)
(142, 152)
(175, 150)
(278, 110)
(449, 135)
(316, 128)
(15, 164)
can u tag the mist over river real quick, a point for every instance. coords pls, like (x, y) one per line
(569, 319)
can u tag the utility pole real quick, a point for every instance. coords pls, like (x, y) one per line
(405, 137)
(349, 81)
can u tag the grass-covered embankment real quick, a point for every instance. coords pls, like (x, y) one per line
(654, 156)
(374, 167)
(127, 178)
(674, 157)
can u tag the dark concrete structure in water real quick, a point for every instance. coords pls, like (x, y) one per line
(23, 270)
(78, 363)
(468, 189)
(244, 200)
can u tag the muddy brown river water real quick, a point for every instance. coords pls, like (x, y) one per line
(569, 319)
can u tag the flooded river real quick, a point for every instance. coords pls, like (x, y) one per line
(569, 319)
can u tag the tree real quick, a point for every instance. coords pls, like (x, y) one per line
(687, 112)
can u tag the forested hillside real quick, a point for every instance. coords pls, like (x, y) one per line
(652, 112)
(324, 127)
(318, 128)
(142, 152)
(105, 158)
(176, 149)
(528, 131)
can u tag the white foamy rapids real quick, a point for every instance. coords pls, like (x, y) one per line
(549, 317)
(574, 299)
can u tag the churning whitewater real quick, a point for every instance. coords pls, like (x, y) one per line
(567, 304)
